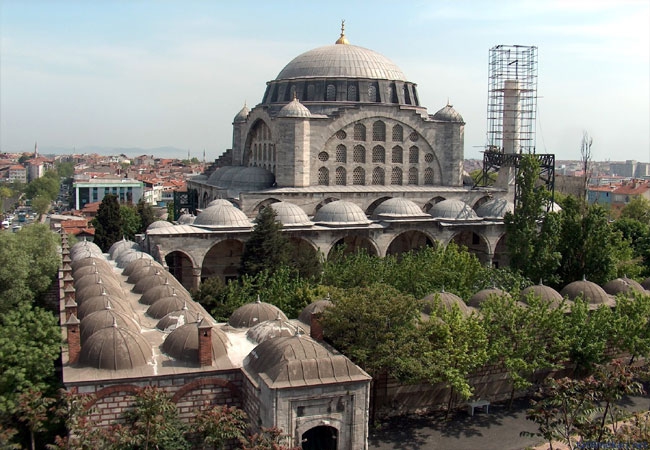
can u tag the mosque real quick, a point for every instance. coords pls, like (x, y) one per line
(342, 149)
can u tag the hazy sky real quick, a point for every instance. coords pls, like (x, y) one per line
(175, 73)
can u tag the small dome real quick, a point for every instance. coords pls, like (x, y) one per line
(131, 255)
(495, 208)
(452, 210)
(183, 344)
(588, 291)
(105, 318)
(115, 348)
(289, 214)
(144, 272)
(186, 219)
(220, 201)
(270, 329)
(163, 306)
(86, 247)
(242, 115)
(100, 303)
(294, 109)
(93, 278)
(87, 252)
(251, 314)
(99, 262)
(122, 245)
(545, 293)
(477, 299)
(177, 319)
(97, 289)
(316, 307)
(398, 208)
(447, 300)
(159, 224)
(139, 263)
(300, 361)
(222, 216)
(146, 283)
(150, 296)
(103, 270)
(341, 212)
(448, 114)
(622, 286)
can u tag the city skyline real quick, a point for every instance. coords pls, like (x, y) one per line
(153, 74)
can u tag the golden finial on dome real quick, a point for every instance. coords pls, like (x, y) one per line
(343, 39)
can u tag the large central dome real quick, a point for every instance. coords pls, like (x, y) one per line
(341, 61)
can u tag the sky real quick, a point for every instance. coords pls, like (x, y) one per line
(147, 74)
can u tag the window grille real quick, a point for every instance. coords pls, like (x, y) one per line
(396, 176)
(340, 176)
(397, 155)
(428, 176)
(359, 176)
(378, 176)
(323, 176)
(414, 155)
(398, 133)
(413, 175)
(379, 131)
(359, 132)
(341, 153)
(323, 156)
(378, 154)
(359, 154)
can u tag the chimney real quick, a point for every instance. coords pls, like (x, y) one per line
(205, 343)
(68, 281)
(74, 343)
(316, 329)
(70, 308)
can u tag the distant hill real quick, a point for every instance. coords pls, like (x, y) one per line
(158, 152)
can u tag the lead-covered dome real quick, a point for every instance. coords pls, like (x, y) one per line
(448, 114)
(222, 216)
(341, 61)
(452, 210)
(294, 109)
(290, 215)
(446, 300)
(183, 344)
(251, 314)
(242, 115)
(398, 208)
(589, 291)
(495, 208)
(545, 293)
(115, 348)
(341, 212)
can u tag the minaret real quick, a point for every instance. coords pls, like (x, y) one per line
(36, 149)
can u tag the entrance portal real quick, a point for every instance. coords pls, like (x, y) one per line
(320, 438)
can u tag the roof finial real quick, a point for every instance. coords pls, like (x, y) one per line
(342, 39)
(295, 96)
(449, 104)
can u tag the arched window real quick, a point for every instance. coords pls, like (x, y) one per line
(378, 154)
(359, 154)
(331, 93)
(378, 176)
(352, 93)
(372, 93)
(379, 131)
(414, 155)
(359, 132)
(340, 176)
(311, 89)
(396, 176)
(413, 175)
(407, 96)
(428, 176)
(359, 176)
(397, 157)
(323, 176)
(341, 153)
(264, 153)
(398, 133)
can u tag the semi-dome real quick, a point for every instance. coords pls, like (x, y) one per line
(139, 263)
(452, 210)
(300, 361)
(289, 214)
(448, 114)
(341, 61)
(622, 285)
(220, 174)
(477, 299)
(183, 344)
(222, 216)
(150, 296)
(589, 292)
(447, 300)
(316, 307)
(159, 224)
(105, 318)
(253, 178)
(242, 115)
(398, 208)
(115, 348)
(178, 318)
(545, 293)
(295, 109)
(253, 313)
(341, 212)
(495, 208)
(270, 329)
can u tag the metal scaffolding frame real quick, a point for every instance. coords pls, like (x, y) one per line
(187, 200)
(512, 63)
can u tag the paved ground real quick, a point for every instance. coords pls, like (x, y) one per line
(498, 430)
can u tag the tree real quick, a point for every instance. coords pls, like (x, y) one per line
(41, 204)
(131, 223)
(638, 209)
(269, 439)
(266, 248)
(33, 410)
(65, 169)
(46, 186)
(147, 216)
(585, 158)
(108, 223)
(220, 425)
(5, 193)
(631, 320)
(532, 234)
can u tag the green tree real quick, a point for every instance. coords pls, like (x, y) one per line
(220, 426)
(532, 234)
(631, 323)
(638, 209)
(33, 410)
(108, 223)
(46, 186)
(587, 334)
(147, 216)
(5, 193)
(131, 223)
(65, 169)
(267, 248)
(41, 204)
(637, 235)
